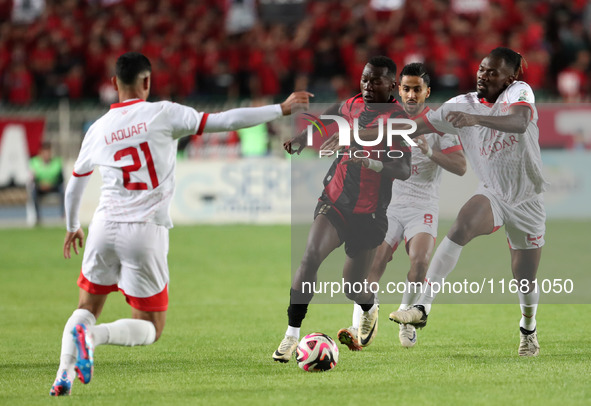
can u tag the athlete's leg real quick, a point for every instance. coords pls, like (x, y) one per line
(355, 273)
(89, 308)
(474, 219)
(420, 248)
(524, 264)
(322, 240)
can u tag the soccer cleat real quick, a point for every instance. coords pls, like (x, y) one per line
(414, 315)
(85, 354)
(528, 344)
(348, 337)
(407, 335)
(368, 326)
(286, 349)
(62, 386)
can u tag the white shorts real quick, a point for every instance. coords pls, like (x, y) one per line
(130, 257)
(525, 224)
(406, 222)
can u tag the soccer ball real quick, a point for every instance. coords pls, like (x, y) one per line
(317, 352)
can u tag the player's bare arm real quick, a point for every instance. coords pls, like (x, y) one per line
(454, 162)
(70, 242)
(515, 122)
(398, 168)
(300, 139)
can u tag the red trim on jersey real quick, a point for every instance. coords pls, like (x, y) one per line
(522, 103)
(156, 303)
(79, 175)
(426, 121)
(495, 228)
(94, 288)
(202, 123)
(487, 104)
(452, 149)
(126, 103)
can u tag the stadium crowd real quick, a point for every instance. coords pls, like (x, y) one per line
(64, 48)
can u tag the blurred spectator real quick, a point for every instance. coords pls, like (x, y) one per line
(26, 11)
(18, 83)
(46, 178)
(229, 52)
(573, 82)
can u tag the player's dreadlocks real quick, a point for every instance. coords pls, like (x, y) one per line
(513, 59)
(384, 62)
(416, 69)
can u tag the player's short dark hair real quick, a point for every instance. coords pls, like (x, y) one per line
(384, 62)
(513, 59)
(416, 69)
(130, 65)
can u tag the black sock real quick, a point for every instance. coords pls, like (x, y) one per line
(526, 332)
(366, 307)
(298, 307)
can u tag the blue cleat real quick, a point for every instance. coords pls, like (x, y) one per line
(85, 358)
(62, 386)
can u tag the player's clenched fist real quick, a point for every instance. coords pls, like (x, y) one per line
(296, 98)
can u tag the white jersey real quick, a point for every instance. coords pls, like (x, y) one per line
(135, 147)
(422, 187)
(507, 164)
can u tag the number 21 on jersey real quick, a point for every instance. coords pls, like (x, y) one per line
(136, 165)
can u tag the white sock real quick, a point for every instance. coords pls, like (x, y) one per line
(411, 295)
(126, 332)
(529, 305)
(356, 315)
(293, 331)
(443, 262)
(68, 352)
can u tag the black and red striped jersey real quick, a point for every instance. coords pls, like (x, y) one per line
(354, 189)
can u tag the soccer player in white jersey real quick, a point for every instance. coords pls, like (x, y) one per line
(135, 146)
(414, 209)
(497, 125)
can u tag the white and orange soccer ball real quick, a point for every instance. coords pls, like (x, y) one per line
(317, 352)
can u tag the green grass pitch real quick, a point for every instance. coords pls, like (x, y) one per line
(228, 295)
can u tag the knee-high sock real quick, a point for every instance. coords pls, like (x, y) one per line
(529, 305)
(68, 352)
(127, 332)
(443, 262)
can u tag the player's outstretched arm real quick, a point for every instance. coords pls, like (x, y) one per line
(515, 122)
(454, 162)
(245, 117)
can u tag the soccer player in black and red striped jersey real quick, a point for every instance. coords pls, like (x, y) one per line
(352, 207)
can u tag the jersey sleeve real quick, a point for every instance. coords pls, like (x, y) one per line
(84, 164)
(436, 118)
(520, 93)
(185, 120)
(449, 143)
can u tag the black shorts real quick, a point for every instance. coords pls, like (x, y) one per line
(359, 232)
